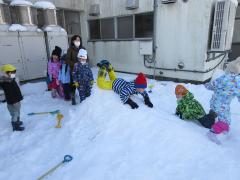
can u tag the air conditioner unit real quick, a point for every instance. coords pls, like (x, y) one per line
(132, 4)
(168, 1)
(223, 25)
(94, 10)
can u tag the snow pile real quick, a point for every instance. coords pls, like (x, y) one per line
(110, 141)
(17, 27)
(44, 5)
(20, 3)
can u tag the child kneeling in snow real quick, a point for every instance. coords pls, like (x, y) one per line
(225, 88)
(82, 75)
(54, 66)
(13, 95)
(120, 86)
(189, 108)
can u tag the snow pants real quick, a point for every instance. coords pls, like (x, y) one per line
(14, 110)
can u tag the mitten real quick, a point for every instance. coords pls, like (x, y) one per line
(148, 102)
(91, 83)
(76, 84)
(132, 104)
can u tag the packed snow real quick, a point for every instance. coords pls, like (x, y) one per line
(20, 3)
(110, 141)
(17, 27)
(44, 5)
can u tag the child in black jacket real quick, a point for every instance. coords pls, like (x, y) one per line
(13, 95)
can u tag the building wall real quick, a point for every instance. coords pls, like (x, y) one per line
(182, 35)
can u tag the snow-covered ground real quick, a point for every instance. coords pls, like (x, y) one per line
(110, 141)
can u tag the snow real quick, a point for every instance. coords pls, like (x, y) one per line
(44, 5)
(17, 27)
(110, 141)
(20, 3)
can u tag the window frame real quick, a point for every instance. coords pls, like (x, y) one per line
(116, 29)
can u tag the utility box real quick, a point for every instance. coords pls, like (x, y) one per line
(132, 4)
(94, 10)
(145, 47)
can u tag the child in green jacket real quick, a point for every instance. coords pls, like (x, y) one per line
(189, 108)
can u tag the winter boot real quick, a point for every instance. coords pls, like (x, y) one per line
(103, 63)
(19, 122)
(17, 127)
(54, 93)
(208, 120)
(102, 72)
(73, 99)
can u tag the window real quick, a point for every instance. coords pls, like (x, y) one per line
(40, 18)
(94, 27)
(60, 17)
(107, 28)
(125, 27)
(144, 25)
(6, 13)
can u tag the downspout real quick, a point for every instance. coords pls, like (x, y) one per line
(155, 8)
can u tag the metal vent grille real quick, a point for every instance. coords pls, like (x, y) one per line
(218, 24)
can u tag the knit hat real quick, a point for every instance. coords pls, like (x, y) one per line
(181, 90)
(234, 66)
(82, 53)
(140, 81)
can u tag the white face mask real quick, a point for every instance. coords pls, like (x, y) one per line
(77, 43)
(83, 62)
(12, 76)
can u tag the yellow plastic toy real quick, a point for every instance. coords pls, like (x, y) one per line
(59, 118)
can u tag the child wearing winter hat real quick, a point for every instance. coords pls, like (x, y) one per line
(13, 95)
(188, 108)
(82, 75)
(225, 88)
(64, 78)
(123, 88)
(54, 66)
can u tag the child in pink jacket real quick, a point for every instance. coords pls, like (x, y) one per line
(54, 67)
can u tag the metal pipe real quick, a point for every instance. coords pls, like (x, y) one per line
(186, 70)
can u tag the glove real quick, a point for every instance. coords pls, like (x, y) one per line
(76, 84)
(91, 83)
(132, 104)
(148, 102)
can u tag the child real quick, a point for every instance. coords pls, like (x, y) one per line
(189, 108)
(13, 95)
(120, 86)
(53, 71)
(64, 79)
(225, 88)
(82, 75)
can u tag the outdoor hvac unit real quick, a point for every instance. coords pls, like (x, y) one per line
(168, 1)
(132, 4)
(94, 10)
(224, 17)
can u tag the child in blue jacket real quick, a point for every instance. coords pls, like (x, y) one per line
(225, 88)
(82, 75)
(64, 79)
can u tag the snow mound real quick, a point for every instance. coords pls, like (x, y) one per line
(20, 3)
(44, 5)
(17, 27)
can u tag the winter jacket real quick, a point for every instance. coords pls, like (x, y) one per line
(53, 69)
(189, 108)
(225, 88)
(64, 74)
(11, 90)
(71, 57)
(82, 74)
(125, 89)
